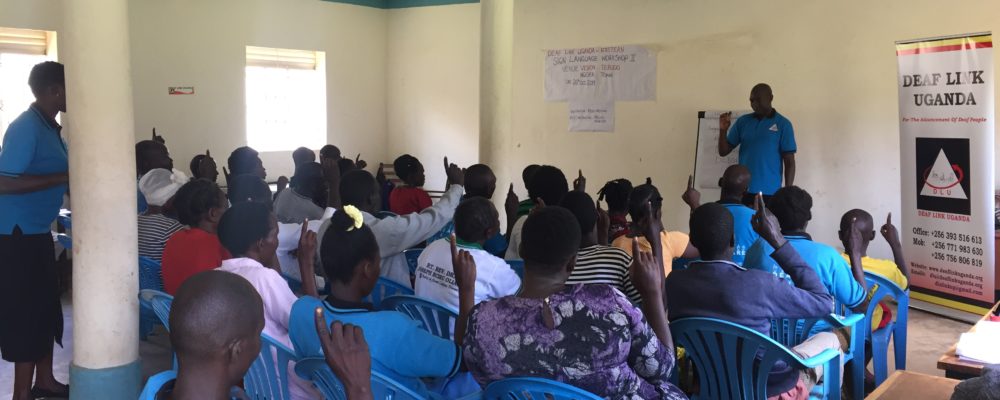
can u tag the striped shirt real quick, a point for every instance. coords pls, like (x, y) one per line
(604, 265)
(154, 230)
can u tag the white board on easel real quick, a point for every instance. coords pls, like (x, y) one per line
(708, 165)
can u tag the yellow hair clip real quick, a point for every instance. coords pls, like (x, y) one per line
(356, 216)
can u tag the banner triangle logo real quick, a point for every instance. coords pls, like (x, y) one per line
(944, 179)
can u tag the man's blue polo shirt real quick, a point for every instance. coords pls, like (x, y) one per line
(833, 271)
(742, 230)
(32, 146)
(762, 141)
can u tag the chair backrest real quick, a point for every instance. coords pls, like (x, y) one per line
(733, 361)
(65, 241)
(65, 220)
(884, 288)
(385, 288)
(267, 378)
(160, 303)
(150, 274)
(411, 256)
(517, 266)
(383, 387)
(155, 383)
(534, 389)
(433, 317)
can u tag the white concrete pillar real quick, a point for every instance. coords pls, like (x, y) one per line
(103, 190)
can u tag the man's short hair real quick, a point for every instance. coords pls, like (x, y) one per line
(242, 225)
(356, 187)
(303, 155)
(211, 310)
(792, 206)
(473, 217)
(329, 151)
(249, 188)
(46, 74)
(550, 238)
(477, 180)
(527, 172)
(583, 208)
(143, 150)
(549, 184)
(243, 160)
(195, 165)
(711, 228)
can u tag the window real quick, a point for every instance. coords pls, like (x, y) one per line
(20, 50)
(286, 99)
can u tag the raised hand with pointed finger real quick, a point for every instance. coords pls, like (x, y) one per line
(889, 231)
(580, 183)
(691, 196)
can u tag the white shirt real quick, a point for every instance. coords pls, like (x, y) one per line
(515, 240)
(278, 300)
(288, 241)
(398, 233)
(436, 276)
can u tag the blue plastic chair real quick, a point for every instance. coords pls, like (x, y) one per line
(267, 378)
(411, 256)
(433, 317)
(159, 302)
(149, 278)
(65, 220)
(386, 288)
(383, 387)
(896, 330)
(733, 361)
(790, 332)
(517, 266)
(535, 388)
(155, 383)
(65, 241)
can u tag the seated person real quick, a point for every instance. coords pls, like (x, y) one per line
(199, 205)
(216, 320)
(249, 231)
(675, 244)
(329, 152)
(303, 155)
(615, 193)
(479, 182)
(244, 160)
(897, 272)
(203, 167)
(734, 184)
(150, 154)
(399, 347)
(719, 288)
(347, 354)
(397, 233)
(787, 383)
(525, 206)
(155, 227)
(792, 207)
(307, 196)
(597, 263)
(588, 336)
(546, 186)
(475, 220)
(409, 197)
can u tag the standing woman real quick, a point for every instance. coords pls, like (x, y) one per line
(33, 180)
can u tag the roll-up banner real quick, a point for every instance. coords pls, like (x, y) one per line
(946, 150)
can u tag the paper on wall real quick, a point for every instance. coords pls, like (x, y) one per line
(609, 73)
(591, 116)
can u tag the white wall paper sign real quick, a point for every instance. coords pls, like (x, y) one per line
(592, 116)
(611, 73)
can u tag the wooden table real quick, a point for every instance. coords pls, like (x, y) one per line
(914, 385)
(961, 369)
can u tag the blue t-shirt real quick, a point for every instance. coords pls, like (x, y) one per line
(32, 146)
(399, 347)
(762, 142)
(742, 230)
(833, 271)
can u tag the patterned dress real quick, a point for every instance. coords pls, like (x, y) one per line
(601, 343)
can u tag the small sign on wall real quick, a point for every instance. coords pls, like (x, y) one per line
(591, 116)
(180, 90)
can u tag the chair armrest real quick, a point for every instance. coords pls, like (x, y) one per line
(819, 359)
(849, 321)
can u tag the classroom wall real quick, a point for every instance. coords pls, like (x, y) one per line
(202, 44)
(432, 78)
(832, 67)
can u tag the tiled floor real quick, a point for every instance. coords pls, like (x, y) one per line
(928, 337)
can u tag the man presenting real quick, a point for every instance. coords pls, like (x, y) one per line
(766, 141)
